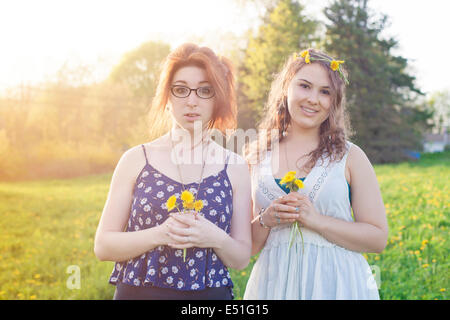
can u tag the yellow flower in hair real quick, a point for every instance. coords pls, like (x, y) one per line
(304, 53)
(334, 64)
(187, 196)
(308, 58)
(171, 203)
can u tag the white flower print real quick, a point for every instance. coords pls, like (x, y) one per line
(212, 212)
(221, 271)
(134, 213)
(159, 183)
(225, 183)
(178, 253)
(131, 275)
(162, 259)
(180, 284)
(193, 190)
(212, 272)
(141, 222)
(136, 282)
(144, 174)
(191, 262)
(152, 272)
(157, 175)
(147, 208)
(205, 203)
(193, 272)
(218, 284)
(164, 206)
(143, 201)
(216, 184)
(169, 280)
(222, 193)
(136, 228)
(174, 269)
(214, 258)
(160, 194)
(227, 209)
(210, 190)
(134, 202)
(158, 217)
(222, 218)
(195, 286)
(147, 190)
(140, 185)
(225, 281)
(218, 199)
(164, 270)
(170, 188)
(199, 254)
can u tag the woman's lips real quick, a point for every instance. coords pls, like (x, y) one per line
(308, 111)
(192, 116)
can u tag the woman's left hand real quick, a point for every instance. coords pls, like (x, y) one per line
(200, 232)
(308, 217)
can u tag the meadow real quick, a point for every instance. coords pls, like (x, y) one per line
(48, 228)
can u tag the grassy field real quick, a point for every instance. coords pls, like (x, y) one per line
(49, 226)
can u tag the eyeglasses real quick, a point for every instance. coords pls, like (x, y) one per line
(184, 92)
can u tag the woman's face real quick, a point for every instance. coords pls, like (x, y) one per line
(191, 109)
(309, 96)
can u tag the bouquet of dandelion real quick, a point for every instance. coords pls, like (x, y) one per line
(189, 203)
(293, 184)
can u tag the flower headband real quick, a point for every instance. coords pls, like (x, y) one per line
(334, 64)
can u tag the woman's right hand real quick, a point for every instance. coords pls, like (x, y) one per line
(165, 238)
(279, 212)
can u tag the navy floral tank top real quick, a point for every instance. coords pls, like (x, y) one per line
(164, 266)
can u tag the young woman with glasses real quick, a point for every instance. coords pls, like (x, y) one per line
(175, 254)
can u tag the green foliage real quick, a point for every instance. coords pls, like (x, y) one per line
(381, 95)
(284, 31)
(140, 68)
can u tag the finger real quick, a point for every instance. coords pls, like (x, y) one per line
(187, 219)
(179, 239)
(284, 208)
(181, 246)
(180, 231)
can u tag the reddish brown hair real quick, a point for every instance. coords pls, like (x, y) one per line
(220, 74)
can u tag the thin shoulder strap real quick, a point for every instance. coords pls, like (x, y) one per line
(145, 154)
(226, 161)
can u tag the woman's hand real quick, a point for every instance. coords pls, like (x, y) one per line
(200, 232)
(308, 216)
(165, 227)
(279, 212)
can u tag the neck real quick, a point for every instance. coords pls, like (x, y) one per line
(187, 139)
(303, 136)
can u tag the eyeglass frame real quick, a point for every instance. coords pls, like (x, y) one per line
(190, 91)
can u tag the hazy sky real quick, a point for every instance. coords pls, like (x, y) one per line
(37, 37)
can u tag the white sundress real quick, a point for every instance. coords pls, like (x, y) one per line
(324, 270)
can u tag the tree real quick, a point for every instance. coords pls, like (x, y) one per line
(381, 96)
(139, 69)
(284, 30)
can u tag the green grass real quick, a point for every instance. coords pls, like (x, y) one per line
(48, 226)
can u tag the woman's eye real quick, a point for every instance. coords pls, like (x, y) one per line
(305, 86)
(326, 92)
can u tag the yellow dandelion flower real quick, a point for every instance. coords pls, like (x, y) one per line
(442, 290)
(37, 276)
(424, 242)
(304, 53)
(426, 265)
(299, 183)
(171, 203)
(308, 58)
(33, 297)
(187, 196)
(189, 205)
(334, 64)
(198, 205)
(290, 176)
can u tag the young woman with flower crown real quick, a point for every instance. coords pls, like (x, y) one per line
(307, 106)
(160, 252)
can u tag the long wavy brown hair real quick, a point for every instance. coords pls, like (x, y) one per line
(220, 73)
(333, 131)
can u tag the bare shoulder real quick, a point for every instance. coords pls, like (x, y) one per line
(238, 170)
(358, 165)
(131, 163)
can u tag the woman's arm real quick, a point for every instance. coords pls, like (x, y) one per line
(369, 232)
(234, 249)
(111, 242)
